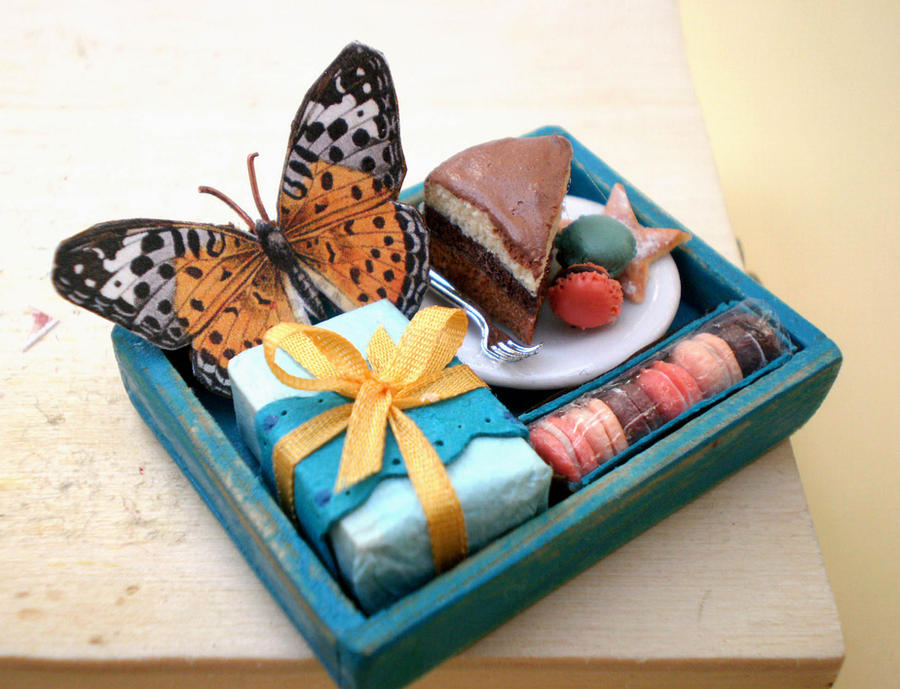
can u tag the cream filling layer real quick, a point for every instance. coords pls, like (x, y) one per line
(476, 224)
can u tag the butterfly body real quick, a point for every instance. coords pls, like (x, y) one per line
(305, 300)
(340, 238)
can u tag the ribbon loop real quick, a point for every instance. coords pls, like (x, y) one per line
(429, 343)
(333, 360)
(404, 376)
(380, 351)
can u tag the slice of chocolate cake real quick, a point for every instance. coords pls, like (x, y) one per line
(493, 211)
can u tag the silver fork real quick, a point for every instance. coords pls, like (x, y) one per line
(495, 344)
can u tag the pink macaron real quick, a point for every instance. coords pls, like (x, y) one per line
(555, 449)
(704, 364)
(614, 431)
(584, 453)
(586, 424)
(725, 353)
(665, 394)
(683, 380)
(671, 388)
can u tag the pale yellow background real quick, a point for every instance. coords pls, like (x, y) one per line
(802, 104)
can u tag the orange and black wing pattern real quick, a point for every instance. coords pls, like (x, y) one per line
(340, 233)
(337, 203)
(176, 283)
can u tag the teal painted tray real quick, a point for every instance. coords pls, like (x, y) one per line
(396, 645)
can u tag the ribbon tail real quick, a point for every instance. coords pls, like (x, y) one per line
(443, 512)
(363, 450)
(298, 444)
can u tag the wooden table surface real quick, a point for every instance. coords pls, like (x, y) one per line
(112, 570)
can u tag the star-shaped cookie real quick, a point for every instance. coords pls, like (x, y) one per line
(652, 243)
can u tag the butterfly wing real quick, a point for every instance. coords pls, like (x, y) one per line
(214, 286)
(176, 283)
(254, 305)
(349, 117)
(337, 204)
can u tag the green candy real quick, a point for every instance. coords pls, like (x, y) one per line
(597, 239)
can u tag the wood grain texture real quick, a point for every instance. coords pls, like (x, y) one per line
(111, 566)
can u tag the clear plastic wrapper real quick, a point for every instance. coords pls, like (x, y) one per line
(708, 361)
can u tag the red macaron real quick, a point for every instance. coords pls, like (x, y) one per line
(586, 296)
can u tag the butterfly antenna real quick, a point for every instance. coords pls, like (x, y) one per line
(255, 189)
(231, 204)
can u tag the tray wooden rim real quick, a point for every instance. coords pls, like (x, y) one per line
(377, 651)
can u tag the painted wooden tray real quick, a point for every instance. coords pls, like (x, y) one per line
(398, 644)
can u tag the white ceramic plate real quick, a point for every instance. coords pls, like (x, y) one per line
(571, 356)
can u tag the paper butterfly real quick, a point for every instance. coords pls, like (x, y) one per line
(340, 239)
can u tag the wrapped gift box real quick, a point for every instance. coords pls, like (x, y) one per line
(402, 641)
(381, 548)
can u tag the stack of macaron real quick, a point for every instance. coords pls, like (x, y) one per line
(596, 427)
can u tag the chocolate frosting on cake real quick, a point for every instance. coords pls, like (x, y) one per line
(519, 183)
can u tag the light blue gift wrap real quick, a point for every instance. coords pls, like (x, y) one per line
(374, 534)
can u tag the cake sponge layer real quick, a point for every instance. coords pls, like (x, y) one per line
(476, 225)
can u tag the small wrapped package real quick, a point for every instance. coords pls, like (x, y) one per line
(376, 521)
(589, 434)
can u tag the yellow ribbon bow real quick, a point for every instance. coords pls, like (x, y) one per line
(397, 377)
